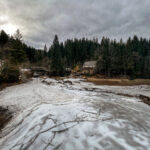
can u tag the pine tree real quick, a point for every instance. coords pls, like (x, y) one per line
(56, 61)
(45, 50)
(18, 35)
(3, 38)
(18, 54)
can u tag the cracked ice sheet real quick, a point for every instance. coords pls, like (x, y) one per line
(68, 116)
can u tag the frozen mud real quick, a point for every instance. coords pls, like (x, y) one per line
(71, 114)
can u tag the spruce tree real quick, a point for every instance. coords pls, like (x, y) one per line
(3, 38)
(56, 61)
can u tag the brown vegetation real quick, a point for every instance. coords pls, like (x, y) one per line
(118, 82)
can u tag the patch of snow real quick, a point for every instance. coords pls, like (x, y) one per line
(72, 114)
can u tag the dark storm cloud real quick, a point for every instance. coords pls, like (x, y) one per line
(40, 20)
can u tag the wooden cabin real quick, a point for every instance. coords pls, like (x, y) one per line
(89, 67)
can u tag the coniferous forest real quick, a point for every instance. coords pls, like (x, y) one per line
(114, 58)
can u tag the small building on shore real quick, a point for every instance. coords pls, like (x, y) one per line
(39, 71)
(89, 67)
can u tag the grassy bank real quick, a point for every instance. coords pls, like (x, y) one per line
(118, 82)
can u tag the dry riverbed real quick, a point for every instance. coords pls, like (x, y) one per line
(72, 114)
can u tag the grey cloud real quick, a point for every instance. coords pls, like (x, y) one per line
(40, 20)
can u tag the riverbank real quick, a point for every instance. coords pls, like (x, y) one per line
(118, 82)
(5, 84)
(5, 114)
(5, 117)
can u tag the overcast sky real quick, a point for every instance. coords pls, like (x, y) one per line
(40, 20)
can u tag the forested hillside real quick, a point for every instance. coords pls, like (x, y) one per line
(129, 59)
(114, 59)
(14, 53)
